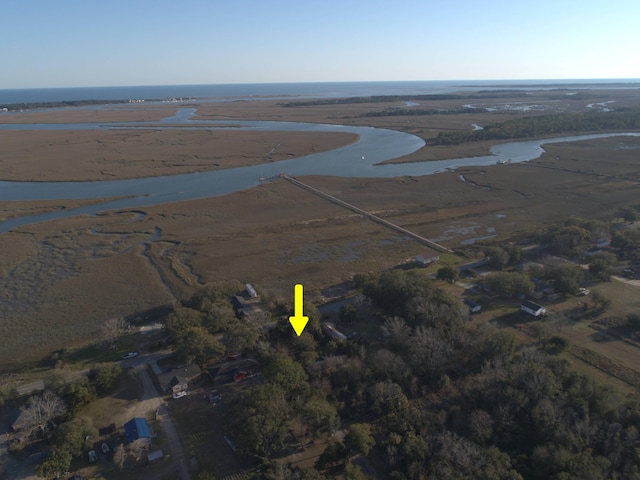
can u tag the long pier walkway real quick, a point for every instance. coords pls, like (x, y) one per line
(371, 216)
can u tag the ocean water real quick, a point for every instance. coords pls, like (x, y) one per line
(305, 90)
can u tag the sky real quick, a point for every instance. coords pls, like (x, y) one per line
(75, 43)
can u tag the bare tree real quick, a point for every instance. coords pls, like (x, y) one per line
(398, 330)
(40, 410)
(481, 425)
(119, 456)
(138, 447)
(111, 330)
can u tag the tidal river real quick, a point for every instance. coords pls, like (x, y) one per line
(359, 159)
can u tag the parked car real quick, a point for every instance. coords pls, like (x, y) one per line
(181, 394)
(130, 355)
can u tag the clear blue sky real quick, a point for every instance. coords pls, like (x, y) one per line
(69, 43)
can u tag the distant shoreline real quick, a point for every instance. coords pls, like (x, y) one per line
(17, 107)
(301, 90)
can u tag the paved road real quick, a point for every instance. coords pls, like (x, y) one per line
(29, 388)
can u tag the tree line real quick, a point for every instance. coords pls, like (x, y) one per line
(545, 125)
(406, 98)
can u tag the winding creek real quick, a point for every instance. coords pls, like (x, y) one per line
(358, 159)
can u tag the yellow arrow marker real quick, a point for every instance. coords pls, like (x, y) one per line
(298, 321)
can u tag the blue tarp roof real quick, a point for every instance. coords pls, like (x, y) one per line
(136, 428)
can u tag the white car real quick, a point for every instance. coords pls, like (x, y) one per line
(181, 394)
(130, 355)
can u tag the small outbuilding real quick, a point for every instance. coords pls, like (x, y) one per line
(473, 306)
(154, 456)
(251, 291)
(532, 309)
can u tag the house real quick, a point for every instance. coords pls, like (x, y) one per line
(136, 428)
(176, 380)
(238, 302)
(424, 262)
(473, 306)
(246, 307)
(541, 288)
(331, 330)
(532, 309)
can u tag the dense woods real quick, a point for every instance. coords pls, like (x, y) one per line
(437, 397)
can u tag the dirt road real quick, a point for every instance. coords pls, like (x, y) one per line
(151, 400)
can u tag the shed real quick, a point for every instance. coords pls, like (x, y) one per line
(136, 428)
(155, 455)
(473, 306)
(532, 309)
(251, 291)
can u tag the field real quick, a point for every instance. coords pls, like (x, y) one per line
(60, 280)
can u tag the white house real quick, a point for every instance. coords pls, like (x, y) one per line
(532, 309)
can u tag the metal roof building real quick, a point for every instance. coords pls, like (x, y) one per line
(136, 428)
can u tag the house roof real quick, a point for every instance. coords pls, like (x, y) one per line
(541, 285)
(173, 376)
(176, 380)
(532, 306)
(470, 303)
(136, 428)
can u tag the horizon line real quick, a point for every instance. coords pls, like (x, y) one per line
(630, 80)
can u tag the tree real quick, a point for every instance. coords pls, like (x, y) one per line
(72, 436)
(600, 266)
(601, 302)
(334, 453)
(259, 420)
(119, 456)
(40, 410)
(181, 320)
(360, 438)
(219, 317)
(138, 447)
(111, 331)
(241, 337)
(628, 214)
(353, 472)
(449, 274)
(289, 375)
(55, 465)
(320, 416)
(499, 257)
(567, 277)
(77, 394)
(509, 284)
(105, 375)
(348, 313)
(197, 345)
(398, 330)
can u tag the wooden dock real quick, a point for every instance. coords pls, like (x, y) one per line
(371, 216)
